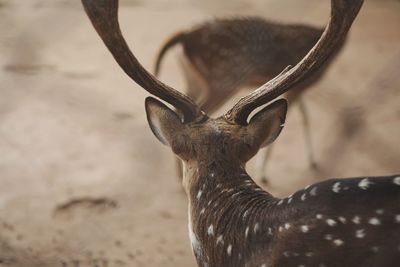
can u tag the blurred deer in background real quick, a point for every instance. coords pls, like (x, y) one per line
(225, 55)
(233, 222)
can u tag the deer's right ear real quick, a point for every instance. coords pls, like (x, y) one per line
(266, 125)
(163, 121)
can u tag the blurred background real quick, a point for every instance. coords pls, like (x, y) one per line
(83, 182)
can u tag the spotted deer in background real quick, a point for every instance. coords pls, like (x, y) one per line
(233, 222)
(222, 56)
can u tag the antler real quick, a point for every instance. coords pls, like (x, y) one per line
(343, 13)
(104, 17)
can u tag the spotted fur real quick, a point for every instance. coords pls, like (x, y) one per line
(260, 230)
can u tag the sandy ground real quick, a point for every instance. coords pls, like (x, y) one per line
(83, 182)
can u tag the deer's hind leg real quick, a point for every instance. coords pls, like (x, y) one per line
(307, 133)
(297, 96)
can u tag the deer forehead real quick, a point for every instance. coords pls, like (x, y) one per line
(216, 129)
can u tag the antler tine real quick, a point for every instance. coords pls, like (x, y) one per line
(104, 16)
(343, 13)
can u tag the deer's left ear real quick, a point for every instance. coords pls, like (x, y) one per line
(164, 122)
(266, 125)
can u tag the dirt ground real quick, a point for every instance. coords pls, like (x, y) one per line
(83, 182)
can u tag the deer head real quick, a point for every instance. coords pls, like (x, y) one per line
(233, 222)
(215, 145)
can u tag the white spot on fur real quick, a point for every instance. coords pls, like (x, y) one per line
(342, 219)
(280, 229)
(304, 228)
(199, 194)
(328, 237)
(336, 187)
(380, 211)
(235, 194)
(360, 233)
(202, 211)
(374, 221)
(256, 227)
(319, 216)
(375, 249)
(263, 265)
(364, 184)
(196, 245)
(356, 220)
(229, 250)
(309, 254)
(286, 254)
(269, 230)
(245, 213)
(289, 200)
(210, 230)
(313, 191)
(227, 190)
(287, 226)
(220, 239)
(303, 197)
(331, 222)
(397, 218)
(280, 202)
(396, 180)
(246, 232)
(338, 242)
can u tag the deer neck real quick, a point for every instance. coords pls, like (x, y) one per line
(226, 210)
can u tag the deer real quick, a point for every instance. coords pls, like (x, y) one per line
(222, 56)
(234, 222)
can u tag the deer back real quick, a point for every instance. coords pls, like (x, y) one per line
(252, 47)
(327, 224)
